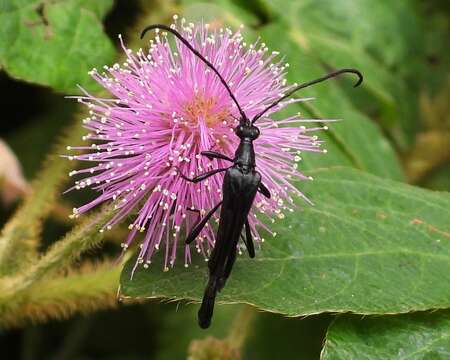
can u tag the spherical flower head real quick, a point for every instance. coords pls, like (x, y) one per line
(166, 107)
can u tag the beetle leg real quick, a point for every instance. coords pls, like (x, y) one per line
(195, 231)
(249, 240)
(201, 177)
(228, 267)
(215, 155)
(264, 190)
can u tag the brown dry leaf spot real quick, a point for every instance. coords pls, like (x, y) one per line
(13, 185)
(430, 227)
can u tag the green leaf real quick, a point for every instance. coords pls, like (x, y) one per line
(358, 33)
(358, 136)
(99, 7)
(53, 43)
(369, 246)
(422, 336)
(364, 24)
(389, 92)
(221, 12)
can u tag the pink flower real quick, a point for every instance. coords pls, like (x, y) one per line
(166, 107)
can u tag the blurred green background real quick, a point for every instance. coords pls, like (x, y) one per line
(400, 46)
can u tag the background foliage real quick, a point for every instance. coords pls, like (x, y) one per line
(377, 243)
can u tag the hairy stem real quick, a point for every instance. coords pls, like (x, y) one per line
(92, 288)
(84, 236)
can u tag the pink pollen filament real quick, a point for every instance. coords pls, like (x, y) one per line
(166, 107)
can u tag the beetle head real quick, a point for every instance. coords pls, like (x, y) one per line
(247, 130)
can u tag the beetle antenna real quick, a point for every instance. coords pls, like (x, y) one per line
(309, 83)
(200, 56)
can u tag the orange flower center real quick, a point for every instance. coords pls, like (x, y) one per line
(205, 108)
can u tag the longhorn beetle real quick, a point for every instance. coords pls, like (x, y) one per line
(240, 185)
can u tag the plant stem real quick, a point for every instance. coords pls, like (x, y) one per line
(84, 236)
(91, 288)
(229, 348)
(241, 327)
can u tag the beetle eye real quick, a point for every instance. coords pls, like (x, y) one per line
(255, 132)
